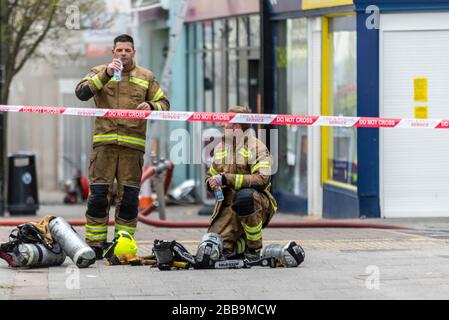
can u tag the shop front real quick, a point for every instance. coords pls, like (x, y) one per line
(404, 73)
(315, 58)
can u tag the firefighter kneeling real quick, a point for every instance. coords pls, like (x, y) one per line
(241, 168)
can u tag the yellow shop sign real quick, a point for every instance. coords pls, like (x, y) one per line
(315, 4)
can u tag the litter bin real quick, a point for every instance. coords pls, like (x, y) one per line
(22, 184)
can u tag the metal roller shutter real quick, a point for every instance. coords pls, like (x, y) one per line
(414, 163)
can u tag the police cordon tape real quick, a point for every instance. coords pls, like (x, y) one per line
(247, 118)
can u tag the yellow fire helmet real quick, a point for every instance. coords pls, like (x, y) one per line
(124, 243)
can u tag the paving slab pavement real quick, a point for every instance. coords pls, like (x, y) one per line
(340, 264)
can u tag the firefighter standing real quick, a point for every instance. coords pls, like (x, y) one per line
(241, 166)
(118, 144)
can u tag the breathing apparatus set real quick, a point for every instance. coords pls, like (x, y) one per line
(50, 241)
(46, 244)
(172, 254)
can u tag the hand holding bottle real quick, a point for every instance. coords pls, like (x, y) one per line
(216, 183)
(115, 68)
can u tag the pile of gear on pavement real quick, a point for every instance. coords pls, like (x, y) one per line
(48, 243)
(168, 255)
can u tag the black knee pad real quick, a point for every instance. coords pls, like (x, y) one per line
(130, 203)
(98, 200)
(243, 202)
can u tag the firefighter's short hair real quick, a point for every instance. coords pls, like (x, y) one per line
(239, 109)
(124, 38)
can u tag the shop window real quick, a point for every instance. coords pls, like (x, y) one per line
(254, 23)
(219, 53)
(291, 58)
(191, 64)
(208, 66)
(342, 88)
(242, 60)
(232, 62)
(219, 65)
(232, 32)
(242, 80)
(243, 27)
(232, 77)
(195, 60)
(198, 85)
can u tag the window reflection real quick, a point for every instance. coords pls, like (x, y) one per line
(342, 162)
(292, 98)
(243, 28)
(219, 46)
(208, 66)
(218, 55)
(254, 23)
(232, 77)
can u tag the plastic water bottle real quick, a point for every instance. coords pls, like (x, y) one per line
(218, 194)
(218, 191)
(118, 73)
